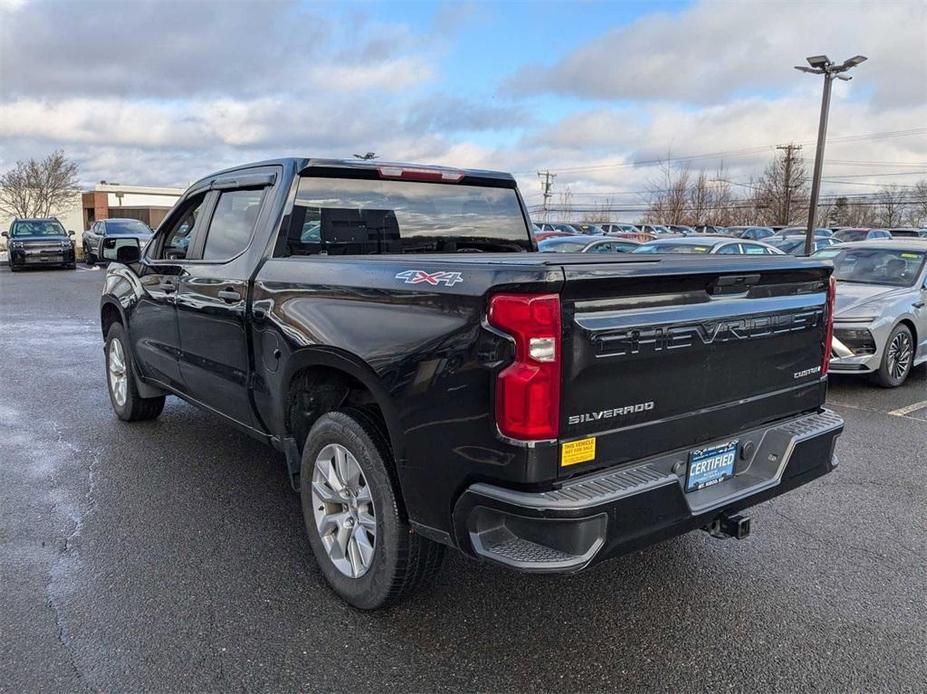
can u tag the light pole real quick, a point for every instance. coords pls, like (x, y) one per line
(822, 65)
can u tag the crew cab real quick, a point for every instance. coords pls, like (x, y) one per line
(433, 381)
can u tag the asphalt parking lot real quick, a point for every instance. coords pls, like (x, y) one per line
(170, 556)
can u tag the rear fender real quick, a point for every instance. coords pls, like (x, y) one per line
(353, 366)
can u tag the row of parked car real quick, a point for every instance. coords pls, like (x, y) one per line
(604, 238)
(880, 322)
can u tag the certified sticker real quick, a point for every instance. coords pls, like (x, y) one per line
(574, 452)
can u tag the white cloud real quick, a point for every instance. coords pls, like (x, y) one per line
(713, 78)
(716, 50)
(390, 75)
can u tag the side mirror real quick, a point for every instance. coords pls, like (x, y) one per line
(4, 234)
(122, 250)
(70, 233)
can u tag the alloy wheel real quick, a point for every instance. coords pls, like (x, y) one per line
(118, 376)
(344, 511)
(899, 355)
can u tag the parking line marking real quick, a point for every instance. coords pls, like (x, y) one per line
(902, 411)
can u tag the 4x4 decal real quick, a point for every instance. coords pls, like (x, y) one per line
(448, 279)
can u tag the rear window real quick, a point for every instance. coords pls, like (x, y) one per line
(672, 248)
(561, 245)
(852, 235)
(346, 216)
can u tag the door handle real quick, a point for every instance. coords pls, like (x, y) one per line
(229, 295)
(918, 304)
(167, 287)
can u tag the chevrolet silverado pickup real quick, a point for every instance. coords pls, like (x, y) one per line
(432, 381)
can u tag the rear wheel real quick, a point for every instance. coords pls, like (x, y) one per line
(88, 256)
(365, 549)
(128, 405)
(897, 358)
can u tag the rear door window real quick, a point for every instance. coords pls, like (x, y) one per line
(232, 223)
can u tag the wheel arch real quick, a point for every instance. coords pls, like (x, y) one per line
(908, 322)
(111, 312)
(335, 369)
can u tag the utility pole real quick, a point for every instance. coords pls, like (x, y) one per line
(822, 65)
(547, 182)
(787, 211)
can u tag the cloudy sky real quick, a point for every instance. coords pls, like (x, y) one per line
(160, 93)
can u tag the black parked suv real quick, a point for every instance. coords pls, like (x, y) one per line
(432, 381)
(35, 242)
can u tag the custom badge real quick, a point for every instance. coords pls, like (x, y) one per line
(448, 279)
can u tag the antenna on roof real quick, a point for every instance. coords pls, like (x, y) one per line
(366, 157)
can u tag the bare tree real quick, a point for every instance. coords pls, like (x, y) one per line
(669, 193)
(699, 200)
(565, 203)
(917, 211)
(38, 188)
(780, 195)
(891, 208)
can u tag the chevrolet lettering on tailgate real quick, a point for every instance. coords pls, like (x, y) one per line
(659, 338)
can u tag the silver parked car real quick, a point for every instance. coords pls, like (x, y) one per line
(880, 320)
(715, 245)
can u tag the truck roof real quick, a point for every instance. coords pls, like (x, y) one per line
(302, 164)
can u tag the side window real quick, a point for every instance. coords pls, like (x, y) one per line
(601, 248)
(232, 223)
(730, 249)
(753, 249)
(176, 243)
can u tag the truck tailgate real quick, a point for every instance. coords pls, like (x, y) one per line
(671, 353)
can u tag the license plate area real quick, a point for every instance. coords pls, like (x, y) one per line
(710, 466)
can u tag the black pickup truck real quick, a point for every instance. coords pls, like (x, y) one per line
(432, 381)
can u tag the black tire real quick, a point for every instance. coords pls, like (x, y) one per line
(402, 561)
(898, 346)
(135, 408)
(13, 268)
(89, 259)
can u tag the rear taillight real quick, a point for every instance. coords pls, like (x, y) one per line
(829, 326)
(528, 390)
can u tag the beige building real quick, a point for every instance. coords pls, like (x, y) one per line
(145, 203)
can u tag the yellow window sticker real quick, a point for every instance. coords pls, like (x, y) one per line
(911, 256)
(574, 452)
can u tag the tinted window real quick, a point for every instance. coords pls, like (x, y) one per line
(876, 265)
(38, 227)
(340, 216)
(732, 249)
(232, 223)
(672, 248)
(560, 246)
(121, 227)
(176, 242)
(851, 235)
